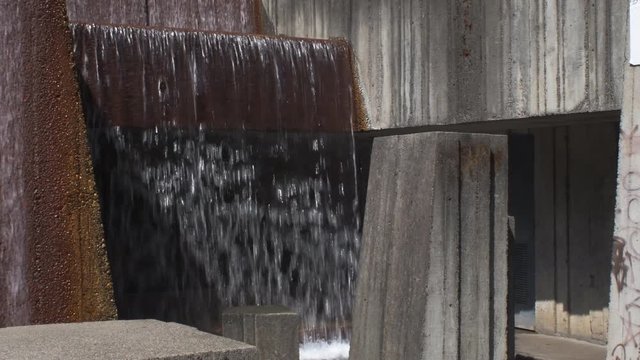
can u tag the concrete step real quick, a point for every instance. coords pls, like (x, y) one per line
(532, 346)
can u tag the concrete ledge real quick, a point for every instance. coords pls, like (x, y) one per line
(274, 330)
(138, 339)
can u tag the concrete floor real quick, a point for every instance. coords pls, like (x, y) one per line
(530, 345)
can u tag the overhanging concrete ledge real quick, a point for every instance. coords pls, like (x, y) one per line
(137, 339)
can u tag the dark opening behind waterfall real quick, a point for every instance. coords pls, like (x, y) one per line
(227, 171)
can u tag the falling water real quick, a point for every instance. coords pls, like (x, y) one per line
(13, 289)
(238, 209)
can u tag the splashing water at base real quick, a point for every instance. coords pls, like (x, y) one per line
(322, 350)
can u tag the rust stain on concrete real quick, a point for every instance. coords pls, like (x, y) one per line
(472, 157)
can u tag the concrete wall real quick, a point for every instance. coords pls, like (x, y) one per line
(432, 282)
(574, 203)
(446, 62)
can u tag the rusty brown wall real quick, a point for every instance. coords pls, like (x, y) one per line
(239, 16)
(67, 275)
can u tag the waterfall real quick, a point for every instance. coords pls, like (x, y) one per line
(227, 172)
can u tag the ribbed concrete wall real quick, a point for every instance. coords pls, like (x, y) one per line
(446, 62)
(433, 276)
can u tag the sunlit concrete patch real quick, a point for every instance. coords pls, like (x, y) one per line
(337, 350)
(530, 345)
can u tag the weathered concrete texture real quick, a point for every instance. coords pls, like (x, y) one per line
(274, 330)
(139, 339)
(575, 184)
(222, 81)
(242, 16)
(433, 277)
(56, 258)
(624, 304)
(445, 62)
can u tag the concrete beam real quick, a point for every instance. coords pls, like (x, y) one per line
(433, 276)
(445, 62)
(138, 339)
(274, 330)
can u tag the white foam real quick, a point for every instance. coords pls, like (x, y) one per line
(336, 350)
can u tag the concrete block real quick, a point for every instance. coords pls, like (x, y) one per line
(274, 330)
(138, 339)
(433, 276)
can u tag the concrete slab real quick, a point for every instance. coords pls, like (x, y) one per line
(137, 339)
(532, 346)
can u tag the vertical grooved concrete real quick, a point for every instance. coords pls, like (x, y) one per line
(433, 276)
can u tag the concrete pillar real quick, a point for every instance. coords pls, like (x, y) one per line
(274, 330)
(433, 276)
(53, 265)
